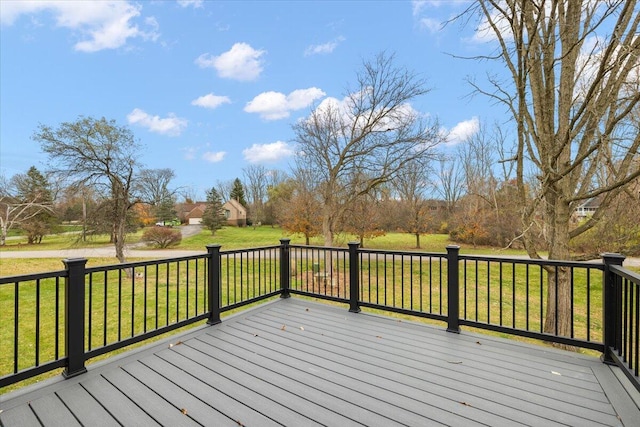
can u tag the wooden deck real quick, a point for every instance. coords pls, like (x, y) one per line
(297, 363)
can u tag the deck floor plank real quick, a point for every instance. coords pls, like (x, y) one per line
(296, 362)
(441, 382)
(186, 403)
(148, 399)
(240, 393)
(85, 408)
(52, 412)
(213, 398)
(121, 408)
(504, 379)
(292, 394)
(21, 416)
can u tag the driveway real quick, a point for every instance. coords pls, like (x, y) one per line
(131, 251)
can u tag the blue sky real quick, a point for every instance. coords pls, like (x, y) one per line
(209, 88)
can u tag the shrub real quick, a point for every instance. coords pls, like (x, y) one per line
(161, 237)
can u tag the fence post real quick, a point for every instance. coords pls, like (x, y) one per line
(453, 289)
(610, 305)
(74, 317)
(285, 268)
(354, 277)
(213, 283)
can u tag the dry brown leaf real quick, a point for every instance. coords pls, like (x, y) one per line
(378, 336)
(184, 411)
(478, 342)
(283, 327)
(466, 404)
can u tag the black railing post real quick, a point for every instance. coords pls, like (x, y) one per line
(213, 283)
(610, 305)
(74, 317)
(285, 268)
(453, 289)
(354, 277)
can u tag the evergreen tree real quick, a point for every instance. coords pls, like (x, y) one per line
(33, 187)
(237, 192)
(213, 217)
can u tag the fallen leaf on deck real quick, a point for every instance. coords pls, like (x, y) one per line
(239, 423)
(478, 342)
(306, 309)
(283, 327)
(378, 336)
(456, 362)
(184, 411)
(301, 328)
(466, 404)
(556, 373)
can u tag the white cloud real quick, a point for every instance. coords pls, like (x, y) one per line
(101, 25)
(214, 157)
(211, 101)
(323, 48)
(259, 153)
(241, 62)
(171, 125)
(430, 24)
(463, 130)
(275, 105)
(195, 3)
(190, 153)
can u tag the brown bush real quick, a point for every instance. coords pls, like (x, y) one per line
(161, 237)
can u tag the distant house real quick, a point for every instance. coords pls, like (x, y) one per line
(587, 208)
(191, 213)
(235, 213)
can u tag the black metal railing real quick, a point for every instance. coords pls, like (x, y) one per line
(622, 318)
(62, 319)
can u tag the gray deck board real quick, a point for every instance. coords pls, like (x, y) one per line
(86, 409)
(403, 354)
(452, 390)
(299, 363)
(52, 412)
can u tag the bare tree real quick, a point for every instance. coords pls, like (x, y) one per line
(100, 153)
(15, 209)
(152, 185)
(449, 182)
(371, 133)
(570, 66)
(224, 189)
(256, 177)
(411, 185)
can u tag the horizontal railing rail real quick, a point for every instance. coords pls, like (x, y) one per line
(62, 319)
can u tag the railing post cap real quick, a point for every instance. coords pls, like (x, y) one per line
(453, 247)
(285, 241)
(213, 246)
(353, 243)
(74, 261)
(609, 257)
